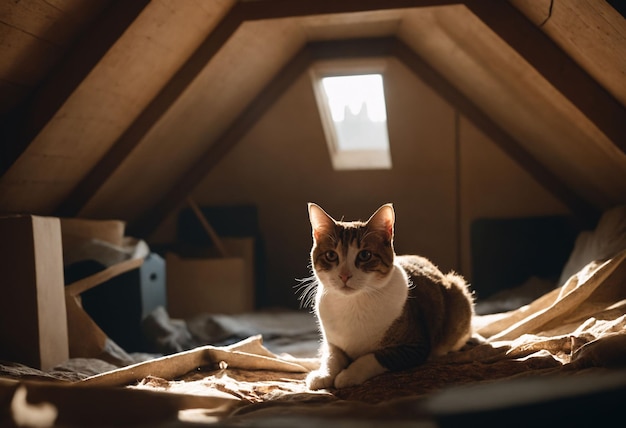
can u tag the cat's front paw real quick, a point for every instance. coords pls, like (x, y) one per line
(359, 371)
(349, 378)
(319, 379)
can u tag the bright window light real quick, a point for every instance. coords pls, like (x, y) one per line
(354, 116)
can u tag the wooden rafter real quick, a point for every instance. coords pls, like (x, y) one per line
(27, 120)
(151, 115)
(555, 66)
(272, 9)
(358, 48)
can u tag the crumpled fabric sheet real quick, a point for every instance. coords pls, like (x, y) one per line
(586, 315)
(578, 326)
(248, 354)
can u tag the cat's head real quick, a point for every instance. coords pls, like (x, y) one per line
(352, 256)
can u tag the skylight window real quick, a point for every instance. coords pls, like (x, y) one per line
(354, 116)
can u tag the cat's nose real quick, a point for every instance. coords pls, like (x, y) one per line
(345, 277)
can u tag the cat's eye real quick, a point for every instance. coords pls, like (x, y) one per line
(331, 256)
(364, 255)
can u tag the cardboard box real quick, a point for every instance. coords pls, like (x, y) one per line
(225, 285)
(33, 320)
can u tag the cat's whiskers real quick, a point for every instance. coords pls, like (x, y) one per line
(306, 289)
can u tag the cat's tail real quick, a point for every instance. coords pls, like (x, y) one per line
(460, 303)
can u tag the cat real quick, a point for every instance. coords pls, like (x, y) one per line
(376, 311)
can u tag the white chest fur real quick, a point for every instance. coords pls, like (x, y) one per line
(356, 322)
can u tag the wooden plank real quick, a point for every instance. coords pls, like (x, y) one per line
(556, 66)
(591, 32)
(82, 285)
(584, 211)
(32, 307)
(26, 121)
(273, 9)
(85, 338)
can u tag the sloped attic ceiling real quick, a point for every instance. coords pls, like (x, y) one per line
(125, 111)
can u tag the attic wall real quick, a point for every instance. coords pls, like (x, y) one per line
(492, 185)
(283, 163)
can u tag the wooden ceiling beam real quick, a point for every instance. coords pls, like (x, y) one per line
(23, 124)
(133, 135)
(528, 40)
(357, 48)
(273, 9)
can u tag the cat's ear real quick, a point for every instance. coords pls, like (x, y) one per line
(383, 219)
(320, 221)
